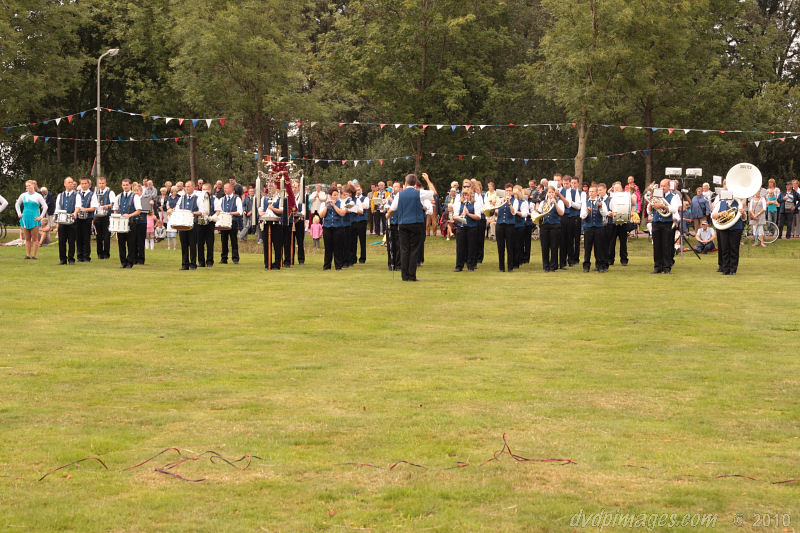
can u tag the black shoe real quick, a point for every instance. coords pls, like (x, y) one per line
(413, 279)
(624, 263)
(81, 260)
(457, 269)
(720, 270)
(501, 268)
(192, 267)
(471, 269)
(224, 262)
(123, 266)
(71, 261)
(656, 271)
(209, 263)
(338, 268)
(360, 261)
(326, 268)
(235, 261)
(184, 268)
(562, 268)
(301, 262)
(62, 262)
(667, 271)
(202, 265)
(586, 269)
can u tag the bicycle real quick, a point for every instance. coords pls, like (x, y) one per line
(770, 232)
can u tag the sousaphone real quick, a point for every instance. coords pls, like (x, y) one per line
(742, 181)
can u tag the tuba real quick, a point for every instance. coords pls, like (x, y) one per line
(650, 194)
(742, 181)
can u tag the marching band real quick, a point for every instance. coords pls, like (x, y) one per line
(560, 210)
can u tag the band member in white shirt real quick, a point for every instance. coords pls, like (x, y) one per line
(573, 199)
(593, 214)
(84, 214)
(105, 202)
(519, 209)
(230, 203)
(67, 201)
(664, 213)
(129, 206)
(207, 203)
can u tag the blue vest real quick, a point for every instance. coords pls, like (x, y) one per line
(393, 218)
(68, 201)
(593, 218)
(102, 198)
(518, 220)
(188, 203)
(229, 206)
(86, 201)
(504, 215)
(172, 201)
(572, 195)
(471, 222)
(332, 218)
(348, 218)
(409, 208)
(724, 206)
(657, 217)
(552, 217)
(126, 205)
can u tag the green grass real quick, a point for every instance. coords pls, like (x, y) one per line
(692, 373)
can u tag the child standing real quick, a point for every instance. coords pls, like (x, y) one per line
(150, 235)
(316, 231)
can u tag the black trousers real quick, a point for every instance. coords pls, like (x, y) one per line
(784, 219)
(188, 240)
(393, 247)
(481, 236)
(504, 234)
(526, 244)
(663, 246)
(564, 240)
(332, 237)
(729, 240)
(349, 245)
(466, 247)
(127, 248)
(83, 238)
(205, 244)
(272, 241)
(360, 230)
(103, 237)
(279, 237)
(421, 246)
(299, 240)
(66, 242)
(618, 232)
(594, 242)
(141, 232)
(409, 235)
(550, 239)
(232, 236)
(379, 227)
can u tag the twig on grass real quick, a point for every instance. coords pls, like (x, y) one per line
(507, 449)
(74, 463)
(173, 474)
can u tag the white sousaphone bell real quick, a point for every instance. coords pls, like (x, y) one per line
(742, 182)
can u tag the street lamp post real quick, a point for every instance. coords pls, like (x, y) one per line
(111, 52)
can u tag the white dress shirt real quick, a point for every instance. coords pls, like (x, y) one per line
(81, 195)
(237, 209)
(585, 207)
(111, 197)
(137, 201)
(674, 206)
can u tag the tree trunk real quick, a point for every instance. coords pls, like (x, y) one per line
(580, 158)
(192, 154)
(74, 156)
(648, 133)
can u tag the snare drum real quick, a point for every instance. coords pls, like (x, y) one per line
(100, 212)
(224, 221)
(182, 219)
(62, 217)
(119, 224)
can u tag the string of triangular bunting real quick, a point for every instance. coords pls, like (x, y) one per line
(525, 160)
(37, 138)
(69, 118)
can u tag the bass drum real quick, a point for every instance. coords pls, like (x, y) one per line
(621, 205)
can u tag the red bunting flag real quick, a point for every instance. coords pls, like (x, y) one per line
(180, 121)
(382, 126)
(468, 126)
(670, 130)
(623, 127)
(424, 127)
(299, 122)
(222, 122)
(69, 118)
(511, 124)
(783, 139)
(35, 138)
(341, 124)
(744, 144)
(381, 161)
(722, 131)
(574, 124)
(461, 157)
(344, 161)
(107, 109)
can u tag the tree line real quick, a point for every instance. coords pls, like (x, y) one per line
(286, 73)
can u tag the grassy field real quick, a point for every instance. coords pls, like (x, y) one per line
(652, 385)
